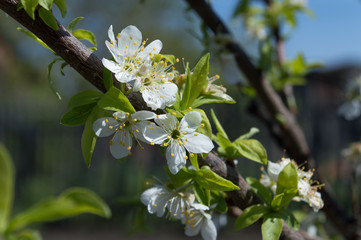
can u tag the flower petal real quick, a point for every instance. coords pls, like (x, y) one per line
(208, 230)
(124, 77)
(111, 33)
(153, 48)
(167, 121)
(274, 169)
(148, 194)
(143, 115)
(121, 144)
(129, 40)
(197, 143)
(191, 121)
(175, 155)
(104, 127)
(138, 130)
(111, 65)
(155, 134)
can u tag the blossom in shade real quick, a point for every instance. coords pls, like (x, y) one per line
(178, 137)
(129, 53)
(125, 126)
(197, 220)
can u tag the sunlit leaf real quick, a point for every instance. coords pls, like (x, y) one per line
(84, 98)
(29, 6)
(263, 192)
(50, 80)
(48, 18)
(183, 176)
(78, 115)
(271, 227)
(30, 34)
(212, 181)
(115, 100)
(62, 7)
(251, 149)
(250, 215)
(82, 34)
(218, 125)
(203, 195)
(72, 24)
(46, 4)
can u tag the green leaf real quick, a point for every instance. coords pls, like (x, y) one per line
(115, 100)
(193, 158)
(271, 227)
(207, 99)
(50, 80)
(108, 78)
(199, 78)
(46, 4)
(250, 215)
(218, 198)
(183, 176)
(62, 7)
(251, 149)
(289, 219)
(287, 183)
(6, 186)
(187, 90)
(263, 192)
(78, 115)
(88, 138)
(72, 202)
(63, 65)
(218, 125)
(226, 147)
(33, 36)
(251, 132)
(26, 234)
(72, 24)
(84, 98)
(48, 18)
(203, 195)
(277, 201)
(210, 180)
(29, 6)
(82, 34)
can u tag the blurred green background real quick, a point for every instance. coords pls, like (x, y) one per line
(47, 155)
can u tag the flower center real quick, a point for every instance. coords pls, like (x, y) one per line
(147, 82)
(176, 134)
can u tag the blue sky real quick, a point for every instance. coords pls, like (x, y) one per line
(333, 36)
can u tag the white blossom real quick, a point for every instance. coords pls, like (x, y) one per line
(178, 137)
(129, 53)
(125, 126)
(158, 199)
(216, 90)
(197, 220)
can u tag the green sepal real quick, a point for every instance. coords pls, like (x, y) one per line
(84, 98)
(271, 226)
(70, 203)
(78, 115)
(115, 100)
(250, 215)
(259, 189)
(48, 18)
(183, 177)
(212, 181)
(7, 177)
(202, 195)
(82, 34)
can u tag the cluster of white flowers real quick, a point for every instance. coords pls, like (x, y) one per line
(181, 206)
(135, 61)
(307, 191)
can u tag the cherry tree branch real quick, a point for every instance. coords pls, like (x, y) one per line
(289, 130)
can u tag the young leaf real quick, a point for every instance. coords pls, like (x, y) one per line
(84, 98)
(250, 215)
(78, 115)
(248, 135)
(29, 6)
(218, 125)
(199, 78)
(88, 138)
(193, 158)
(220, 201)
(277, 201)
(115, 100)
(51, 82)
(108, 78)
(289, 219)
(251, 149)
(33, 36)
(72, 202)
(72, 24)
(287, 183)
(26, 234)
(6, 187)
(62, 7)
(203, 195)
(46, 4)
(263, 192)
(210, 180)
(207, 99)
(183, 177)
(271, 227)
(63, 65)
(48, 18)
(82, 34)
